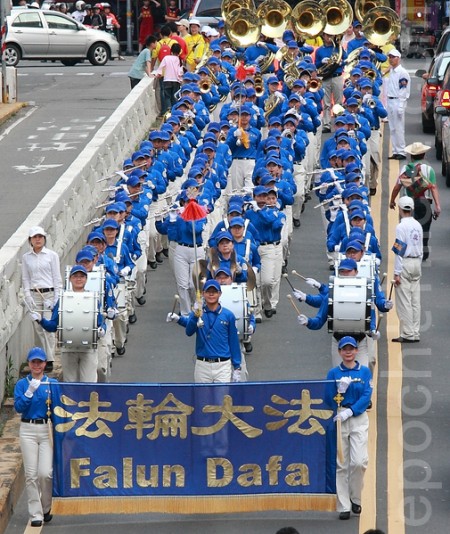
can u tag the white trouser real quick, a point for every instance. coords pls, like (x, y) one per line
(43, 338)
(37, 452)
(79, 366)
(104, 348)
(396, 126)
(375, 158)
(240, 174)
(183, 265)
(407, 298)
(362, 356)
(333, 87)
(310, 153)
(271, 265)
(318, 141)
(366, 165)
(208, 373)
(286, 232)
(299, 198)
(350, 474)
(141, 270)
(120, 328)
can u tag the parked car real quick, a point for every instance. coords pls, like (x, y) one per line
(208, 12)
(432, 82)
(442, 99)
(41, 34)
(444, 113)
(444, 42)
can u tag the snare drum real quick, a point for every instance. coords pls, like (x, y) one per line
(234, 298)
(120, 293)
(95, 282)
(349, 305)
(78, 313)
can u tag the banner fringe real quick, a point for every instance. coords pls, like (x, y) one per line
(194, 505)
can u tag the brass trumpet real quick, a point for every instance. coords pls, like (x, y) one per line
(205, 85)
(259, 85)
(314, 85)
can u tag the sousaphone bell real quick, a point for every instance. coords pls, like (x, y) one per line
(274, 15)
(308, 19)
(229, 6)
(381, 25)
(339, 15)
(243, 27)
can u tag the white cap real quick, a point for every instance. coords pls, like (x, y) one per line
(394, 52)
(406, 203)
(213, 33)
(183, 22)
(205, 29)
(37, 230)
(194, 21)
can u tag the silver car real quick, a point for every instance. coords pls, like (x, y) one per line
(41, 34)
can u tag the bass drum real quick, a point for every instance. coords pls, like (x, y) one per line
(77, 330)
(349, 305)
(234, 298)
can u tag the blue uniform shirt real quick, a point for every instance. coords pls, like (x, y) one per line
(359, 392)
(36, 407)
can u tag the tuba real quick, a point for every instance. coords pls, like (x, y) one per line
(339, 15)
(243, 27)
(381, 25)
(362, 7)
(230, 5)
(274, 15)
(270, 104)
(308, 19)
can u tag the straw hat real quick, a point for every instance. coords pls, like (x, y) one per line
(417, 148)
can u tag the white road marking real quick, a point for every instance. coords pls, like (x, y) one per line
(39, 167)
(85, 74)
(17, 122)
(115, 74)
(54, 74)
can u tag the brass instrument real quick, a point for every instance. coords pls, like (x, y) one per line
(222, 137)
(313, 85)
(371, 74)
(264, 62)
(205, 85)
(339, 15)
(274, 15)
(371, 103)
(381, 25)
(326, 71)
(362, 7)
(230, 5)
(243, 27)
(308, 19)
(259, 84)
(337, 110)
(270, 104)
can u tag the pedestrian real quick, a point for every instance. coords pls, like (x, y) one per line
(419, 182)
(42, 285)
(98, 19)
(397, 91)
(349, 392)
(78, 364)
(171, 71)
(172, 12)
(32, 397)
(217, 349)
(408, 249)
(146, 23)
(142, 64)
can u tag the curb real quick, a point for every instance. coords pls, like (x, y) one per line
(8, 110)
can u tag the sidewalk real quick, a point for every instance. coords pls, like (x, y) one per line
(8, 110)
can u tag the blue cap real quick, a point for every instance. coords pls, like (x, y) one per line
(355, 245)
(356, 205)
(299, 83)
(37, 353)
(121, 206)
(271, 159)
(208, 146)
(347, 340)
(275, 120)
(137, 155)
(356, 72)
(95, 235)
(250, 92)
(224, 270)
(84, 254)
(223, 235)
(154, 135)
(212, 284)
(352, 176)
(234, 208)
(112, 208)
(213, 127)
(364, 82)
(260, 190)
(90, 248)
(272, 79)
(221, 24)
(193, 173)
(356, 23)
(288, 35)
(351, 119)
(166, 127)
(332, 154)
(351, 191)
(246, 109)
(210, 137)
(146, 151)
(127, 163)
(213, 61)
(111, 223)
(340, 119)
(133, 181)
(237, 221)
(78, 269)
(357, 213)
(292, 44)
(340, 131)
(352, 167)
(342, 138)
(352, 102)
(294, 96)
(227, 53)
(348, 265)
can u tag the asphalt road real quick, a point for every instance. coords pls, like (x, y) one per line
(408, 455)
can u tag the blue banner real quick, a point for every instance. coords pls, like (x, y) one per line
(185, 439)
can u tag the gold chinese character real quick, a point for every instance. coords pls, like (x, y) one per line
(305, 414)
(93, 416)
(172, 421)
(227, 411)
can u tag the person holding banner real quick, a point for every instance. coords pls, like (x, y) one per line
(217, 349)
(349, 393)
(32, 397)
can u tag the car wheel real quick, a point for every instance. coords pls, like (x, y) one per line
(427, 126)
(438, 146)
(98, 54)
(11, 55)
(69, 62)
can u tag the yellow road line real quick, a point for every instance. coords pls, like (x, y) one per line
(369, 495)
(395, 497)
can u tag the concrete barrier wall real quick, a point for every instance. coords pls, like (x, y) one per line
(63, 212)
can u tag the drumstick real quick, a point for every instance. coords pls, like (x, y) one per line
(392, 288)
(383, 279)
(379, 321)
(298, 274)
(285, 276)
(176, 298)
(293, 304)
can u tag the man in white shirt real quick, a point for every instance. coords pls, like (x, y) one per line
(42, 284)
(397, 92)
(408, 250)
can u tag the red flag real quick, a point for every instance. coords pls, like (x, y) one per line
(242, 72)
